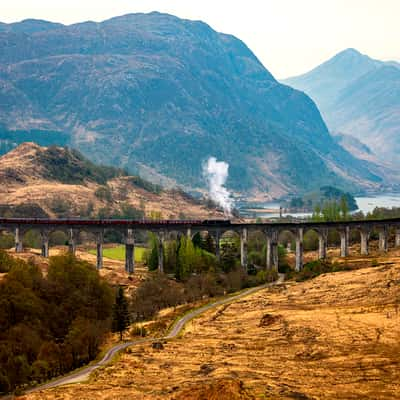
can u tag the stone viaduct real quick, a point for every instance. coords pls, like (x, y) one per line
(216, 228)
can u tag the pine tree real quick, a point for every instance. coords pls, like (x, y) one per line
(153, 256)
(344, 207)
(120, 313)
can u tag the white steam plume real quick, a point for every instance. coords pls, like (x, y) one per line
(216, 174)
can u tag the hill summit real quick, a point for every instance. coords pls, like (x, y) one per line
(360, 97)
(60, 182)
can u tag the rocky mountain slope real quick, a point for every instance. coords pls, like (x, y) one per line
(54, 181)
(159, 95)
(358, 96)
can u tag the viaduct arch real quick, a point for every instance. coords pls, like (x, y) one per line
(216, 228)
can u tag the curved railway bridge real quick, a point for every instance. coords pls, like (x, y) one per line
(216, 228)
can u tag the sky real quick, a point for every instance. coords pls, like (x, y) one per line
(290, 37)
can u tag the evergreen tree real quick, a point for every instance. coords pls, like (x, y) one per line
(344, 208)
(120, 313)
(197, 240)
(186, 259)
(152, 261)
(208, 244)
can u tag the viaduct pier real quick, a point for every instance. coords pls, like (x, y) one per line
(216, 228)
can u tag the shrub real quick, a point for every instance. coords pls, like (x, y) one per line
(61, 207)
(7, 262)
(138, 330)
(318, 267)
(58, 238)
(264, 276)
(6, 241)
(143, 184)
(32, 239)
(374, 262)
(104, 193)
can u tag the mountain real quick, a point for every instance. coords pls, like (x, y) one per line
(56, 181)
(158, 95)
(358, 96)
(29, 26)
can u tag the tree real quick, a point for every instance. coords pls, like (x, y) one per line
(120, 313)
(152, 254)
(186, 259)
(344, 208)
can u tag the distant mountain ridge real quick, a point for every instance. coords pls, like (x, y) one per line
(158, 95)
(358, 96)
(29, 26)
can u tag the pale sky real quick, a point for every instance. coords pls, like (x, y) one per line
(288, 36)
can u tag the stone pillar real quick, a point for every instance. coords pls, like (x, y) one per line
(299, 249)
(217, 238)
(364, 242)
(344, 242)
(18, 241)
(243, 248)
(189, 233)
(129, 252)
(275, 255)
(72, 241)
(161, 238)
(99, 250)
(272, 250)
(45, 243)
(323, 243)
(383, 239)
(397, 238)
(268, 255)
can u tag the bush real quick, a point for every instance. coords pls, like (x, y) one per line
(318, 267)
(104, 193)
(32, 239)
(256, 257)
(146, 185)
(58, 238)
(138, 330)
(7, 241)
(60, 207)
(284, 269)
(264, 276)
(7, 262)
(310, 241)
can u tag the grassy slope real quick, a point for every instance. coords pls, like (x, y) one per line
(340, 330)
(118, 253)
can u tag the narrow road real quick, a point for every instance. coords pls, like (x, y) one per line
(84, 373)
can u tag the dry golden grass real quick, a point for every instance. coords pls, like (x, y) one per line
(334, 337)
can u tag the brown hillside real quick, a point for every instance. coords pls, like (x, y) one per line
(25, 179)
(334, 337)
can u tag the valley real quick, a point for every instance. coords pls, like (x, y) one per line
(177, 223)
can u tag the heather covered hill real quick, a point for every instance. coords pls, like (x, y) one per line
(59, 182)
(158, 95)
(358, 96)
